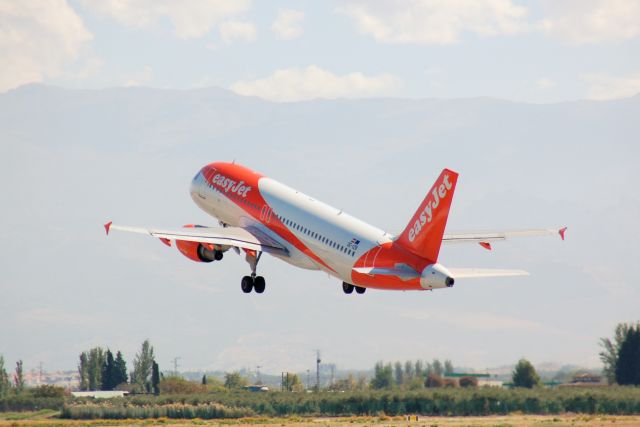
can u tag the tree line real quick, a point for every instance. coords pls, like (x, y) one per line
(621, 355)
(100, 370)
(13, 385)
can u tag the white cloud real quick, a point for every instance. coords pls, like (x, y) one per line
(296, 84)
(237, 30)
(190, 19)
(434, 21)
(37, 39)
(545, 83)
(592, 21)
(287, 25)
(139, 78)
(601, 86)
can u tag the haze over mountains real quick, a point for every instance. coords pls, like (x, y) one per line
(73, 159)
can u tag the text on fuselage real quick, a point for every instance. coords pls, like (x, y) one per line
(439, 193)
(228, 184)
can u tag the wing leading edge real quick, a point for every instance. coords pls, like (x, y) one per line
(250, 238)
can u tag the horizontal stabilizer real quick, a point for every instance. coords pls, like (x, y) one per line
(468, 273)
(492, 236)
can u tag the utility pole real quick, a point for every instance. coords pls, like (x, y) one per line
(40, 373)
(318, 370)
(308, 379)
(175, 365)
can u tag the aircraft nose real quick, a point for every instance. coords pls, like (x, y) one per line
(193, 188)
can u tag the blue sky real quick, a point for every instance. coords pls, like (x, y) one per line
(545, 51)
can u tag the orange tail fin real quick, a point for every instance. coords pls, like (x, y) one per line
(423, 234)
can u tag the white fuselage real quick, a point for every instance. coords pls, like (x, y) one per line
(328, 232)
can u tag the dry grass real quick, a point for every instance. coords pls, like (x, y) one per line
(49, 419)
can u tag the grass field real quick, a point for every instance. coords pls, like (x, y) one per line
(50, 418)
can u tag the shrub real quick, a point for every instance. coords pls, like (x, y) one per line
(433, 381)
(177, 385)
(468, 382)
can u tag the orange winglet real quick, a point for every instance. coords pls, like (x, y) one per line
(561, 232)
(107, 226)
(165, 241)
(485, 245)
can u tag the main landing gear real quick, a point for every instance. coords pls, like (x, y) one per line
(348, 288)
(249, 283)
(253, 282)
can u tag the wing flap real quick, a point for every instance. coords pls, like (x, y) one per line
(228, 236)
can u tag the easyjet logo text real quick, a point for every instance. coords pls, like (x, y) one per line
(439, 193)
(228, 184)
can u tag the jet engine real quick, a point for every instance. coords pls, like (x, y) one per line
(198, 252)
(436, 276)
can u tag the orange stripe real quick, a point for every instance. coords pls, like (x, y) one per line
(240, 173)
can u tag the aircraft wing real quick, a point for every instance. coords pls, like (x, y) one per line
(249, 238)
(484, 237)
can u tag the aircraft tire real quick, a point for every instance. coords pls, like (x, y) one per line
(218, 255)
(360, 289)
(347, 287)
(259, 284)
(246, 284)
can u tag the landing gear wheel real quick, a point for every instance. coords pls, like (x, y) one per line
(347, 287)
(246, 284)
(259, 284)
(217, 255)
(360, 290)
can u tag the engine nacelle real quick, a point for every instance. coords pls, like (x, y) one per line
(197, 251)
(436, 276)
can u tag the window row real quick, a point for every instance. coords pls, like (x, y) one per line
(315, 235)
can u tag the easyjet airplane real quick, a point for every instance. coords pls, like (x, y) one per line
(260, 215)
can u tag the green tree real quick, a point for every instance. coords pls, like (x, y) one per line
(609, 354)
(448, 367)
(204, 379)
(419, 369)
(398, 374)
(291, 382)
(234, 380)
(525, 375)
(408, 370)
(628, 363)
(383, 376)
(5, 384)
(83, 371)
(95, 360)
(120, 375)
(437, 367)
(18, 378)
(108, 376)
(155, 378)
(143, 365)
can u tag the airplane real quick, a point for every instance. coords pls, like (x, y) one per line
(260, 215)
